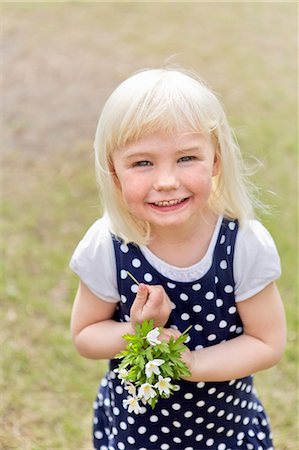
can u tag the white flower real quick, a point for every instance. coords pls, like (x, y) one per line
(153, 367)
(163, 385)
(146, 391)
(130, 388)
(122, 374)
(132, 404)
(152, 336)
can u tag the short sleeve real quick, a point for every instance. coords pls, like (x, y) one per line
(256, 260)
(94, 262)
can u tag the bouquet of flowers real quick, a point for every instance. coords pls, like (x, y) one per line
(149, 366)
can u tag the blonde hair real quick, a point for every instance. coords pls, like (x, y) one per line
(167, 100)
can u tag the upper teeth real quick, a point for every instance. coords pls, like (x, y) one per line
(168, 202)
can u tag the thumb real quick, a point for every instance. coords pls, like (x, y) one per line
(142, 294)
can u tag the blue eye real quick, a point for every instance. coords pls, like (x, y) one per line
(142, 164)
(186, 158)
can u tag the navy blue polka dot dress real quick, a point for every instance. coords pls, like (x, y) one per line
(199, 416)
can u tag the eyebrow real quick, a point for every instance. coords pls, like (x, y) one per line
(145, 154)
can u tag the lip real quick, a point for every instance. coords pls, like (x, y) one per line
(169, 205)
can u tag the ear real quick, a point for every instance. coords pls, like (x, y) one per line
(216, 166)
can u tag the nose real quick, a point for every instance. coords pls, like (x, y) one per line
(166, 180)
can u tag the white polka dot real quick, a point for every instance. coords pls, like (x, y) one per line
(211, 337)
(131, 420)
(199, 420)
(230, 433)
(196, 287)
(237, 420)
(127, 318)
(123, 298)
(261, 435)
(240, 435)
(171, 285)
(222, 240)
(229, 398)
(220, 395)
(173, 305)
(246, 420)
(188, 414)
(136, 263)
(219, 302)
(210, 442)
(216, 280)
(123, 274)
(165, 430)
(124, 248)
(211, 409)
(200, 403)
(184, 297)
(221, 413)
(188, 432)
(131, 440)
(153, 438)
(233, 328)
(251, 433)
(153, 419)
(198, 347)
(197, 308)
(199, 437)
(198, 327)
(98, 435)
(134, 288)
(185, 316)
(228, 249)
(188, 396)
(107, 402)
(116, 411)
(232, 310)
(201, 384)
(177, 440)
(119, 390)
(212, 390)
(176, 406)
(223, 264)
(228, 289)
(220, 430)
(209, 295)
(164, 447)
(147, 277)
(232, 225)
(123, 425)
(229, 416)
(210, 426)
(176, 424)
(239, 330)
(142, 430)
(221, 447)
(222, 324)
(165, 412)
(210, 317)
(121, 446)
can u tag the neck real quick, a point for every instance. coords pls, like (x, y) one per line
(184, 246)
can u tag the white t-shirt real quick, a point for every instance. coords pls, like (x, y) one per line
(256, 261)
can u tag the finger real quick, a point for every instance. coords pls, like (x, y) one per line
(142, 295)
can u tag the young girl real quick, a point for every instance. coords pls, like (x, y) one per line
(178, 217)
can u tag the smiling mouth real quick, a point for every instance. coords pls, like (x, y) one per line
(169, 202)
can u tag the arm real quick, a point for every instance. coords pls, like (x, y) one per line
(94, 333)
(97, 336)
(260, 347)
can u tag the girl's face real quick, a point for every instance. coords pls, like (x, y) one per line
(166, 180)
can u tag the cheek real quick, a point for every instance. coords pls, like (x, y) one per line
(130, 188)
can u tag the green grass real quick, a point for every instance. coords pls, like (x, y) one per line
(62, 61)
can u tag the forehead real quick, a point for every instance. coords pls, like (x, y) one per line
(176, 142)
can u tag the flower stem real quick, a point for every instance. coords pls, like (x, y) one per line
(133, 278)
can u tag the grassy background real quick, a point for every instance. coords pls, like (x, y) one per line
(60, 62)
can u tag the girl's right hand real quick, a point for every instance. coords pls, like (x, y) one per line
(151, 303)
